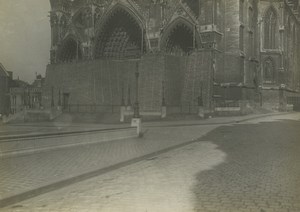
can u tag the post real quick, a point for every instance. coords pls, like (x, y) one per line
(122, 100)
(122, 108)
(129, 98)
(24, 99)
(77, 48)
(52, 97)
(136, 104)
(136, 120)
(200, 103)
(163, 104)
(59, 98)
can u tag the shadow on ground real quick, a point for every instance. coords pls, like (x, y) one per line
(261, 171)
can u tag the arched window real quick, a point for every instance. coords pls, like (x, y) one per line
(268, 71)
(270, 29)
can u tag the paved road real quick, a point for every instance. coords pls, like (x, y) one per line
(27, 172)
(252, 166)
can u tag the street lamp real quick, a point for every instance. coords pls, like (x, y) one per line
(163, 94)
(52, 97)
(136, 120)
(59, 98)
(136, 112)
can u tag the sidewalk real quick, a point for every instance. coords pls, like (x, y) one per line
(27, 129)
(30, 175)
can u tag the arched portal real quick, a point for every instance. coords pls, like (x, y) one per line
(179, 38)
(70, 50)
(120, 36)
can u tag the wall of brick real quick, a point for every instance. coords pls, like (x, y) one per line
(105, 82)
(99, 82)
(198, 78)
(174, 78)
(151, 79)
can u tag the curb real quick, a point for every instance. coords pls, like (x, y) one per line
(225, 122)
(68, 133)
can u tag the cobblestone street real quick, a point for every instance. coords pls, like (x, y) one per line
(252, 166)
(150, 106)
(261, 171)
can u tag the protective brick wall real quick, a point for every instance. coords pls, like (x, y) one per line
(99, 82)
(174, 79)
(151, 79)
(104, 82)
(198, 78)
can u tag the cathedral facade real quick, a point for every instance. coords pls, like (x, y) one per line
(178, 53)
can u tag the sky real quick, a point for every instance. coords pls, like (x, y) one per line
(25, 37)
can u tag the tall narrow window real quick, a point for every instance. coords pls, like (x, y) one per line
(270, 29)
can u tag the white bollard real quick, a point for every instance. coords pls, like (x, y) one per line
(122, 113)
(163, 112)
(137, 122)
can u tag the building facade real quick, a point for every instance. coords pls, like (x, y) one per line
(5, 79)
(181, 53)
(25, 96)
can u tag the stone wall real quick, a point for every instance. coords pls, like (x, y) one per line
(270, 99)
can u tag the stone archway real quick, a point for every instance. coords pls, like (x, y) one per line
(120, 36)
(180, 37)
